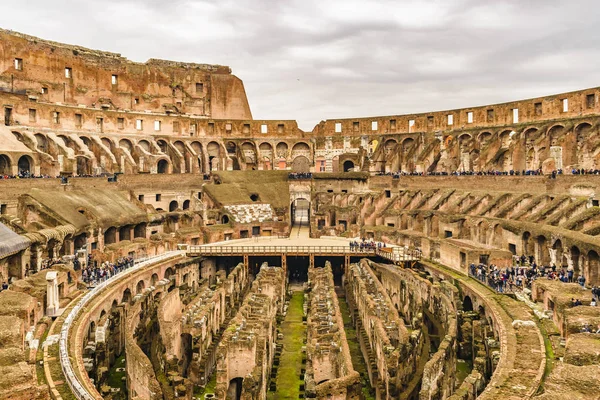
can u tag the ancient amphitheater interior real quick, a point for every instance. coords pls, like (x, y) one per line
(157, 242)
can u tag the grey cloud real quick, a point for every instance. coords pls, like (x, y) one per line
(311, 60)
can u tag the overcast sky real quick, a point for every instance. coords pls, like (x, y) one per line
(311, 60)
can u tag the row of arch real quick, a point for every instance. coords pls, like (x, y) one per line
(25, 165)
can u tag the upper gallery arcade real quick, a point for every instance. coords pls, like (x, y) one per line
(71, 110)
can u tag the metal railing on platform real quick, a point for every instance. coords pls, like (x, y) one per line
(262, 250)
(395, 254)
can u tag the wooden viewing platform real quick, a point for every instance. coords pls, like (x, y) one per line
(396, 255)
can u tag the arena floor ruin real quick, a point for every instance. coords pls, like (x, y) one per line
(156, 242)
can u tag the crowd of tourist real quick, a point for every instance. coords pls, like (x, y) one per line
(534, 172)
(582, 171)
(95, 273)
(522, 274)
(365, 245)
(24, 175)
(300, 175)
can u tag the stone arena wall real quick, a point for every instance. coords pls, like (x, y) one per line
(413, 295)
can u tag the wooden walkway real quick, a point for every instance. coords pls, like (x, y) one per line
(397, 255)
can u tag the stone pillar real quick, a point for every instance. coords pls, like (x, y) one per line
(52, 298)
(552, 256)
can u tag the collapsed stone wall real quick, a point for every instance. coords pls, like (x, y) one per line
(329, 370)
(206, 317)
(246, 350)
(79, 76)
(141, 377)
(414, 296)
(390, 347)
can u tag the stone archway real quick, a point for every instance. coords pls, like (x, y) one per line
(5, 165)
(25, 166)
(348, 166)
(162, 167)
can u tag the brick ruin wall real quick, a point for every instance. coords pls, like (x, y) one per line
(329, 364)
(246, 349)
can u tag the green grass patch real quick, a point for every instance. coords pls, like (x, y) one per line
(115, 378)
(290, 364)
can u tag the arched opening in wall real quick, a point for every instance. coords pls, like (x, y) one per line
(531, 135)
(173, 206)
(126, 296)
(484, 138)
(464, 142)
(126, 144)
(86, 141)
(266, 153)
(249, 151)
(42, 142)
(145, 145)
(51, 248)
(528, 245)
(300, 212)
(114, 305)
(505, 138)
(110, 235)
(231, 148)
(389, 146)
(80, 241)
(162, 167)
(234, 391)
(84, 166)
(102, 314)
(575, 255)
(186, 205)
(153, 280)
(65, 249)
(140, 287)
(557, 247)
(348, 166)
(482, 232)
(281, 150)
(162, 145)
(214, 156)
(579, 155)
(301, 164)
(555, 134)
(5, 167)
(407, 144)
(497, 236)
(197, 147)
(530, 161)
(224, 219)
(300, 149)
(180, 147)
(467, 304)
(125, 233)
(169, 273)
(594, 264)
(107, 142)
(139, 231)
(25, 165)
